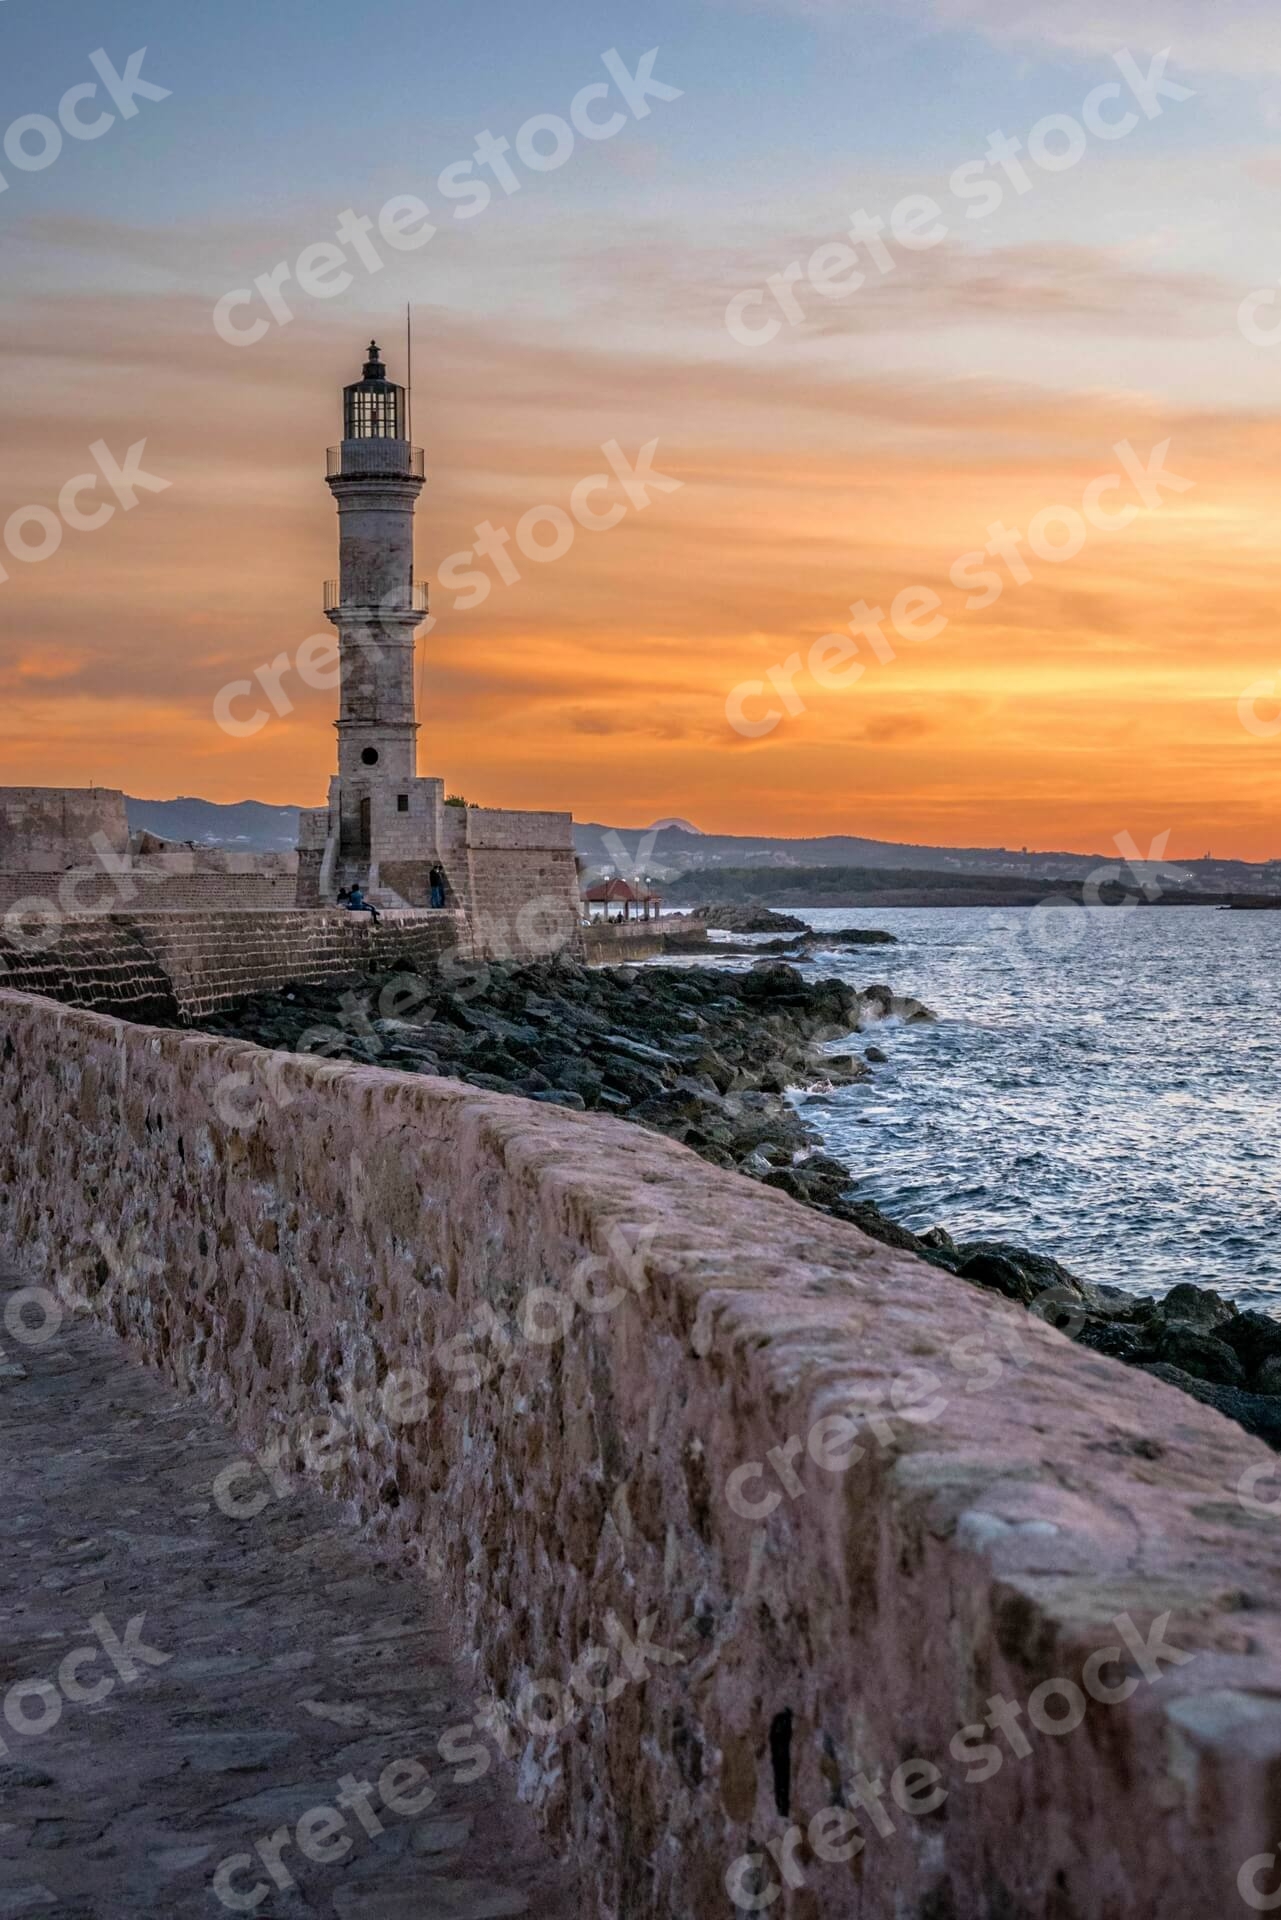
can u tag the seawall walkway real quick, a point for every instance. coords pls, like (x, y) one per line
(188, 1691)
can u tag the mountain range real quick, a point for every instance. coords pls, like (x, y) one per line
(673, 847)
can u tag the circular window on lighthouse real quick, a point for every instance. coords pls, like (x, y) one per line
(370, 756)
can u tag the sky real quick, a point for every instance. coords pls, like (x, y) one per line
(973, 364)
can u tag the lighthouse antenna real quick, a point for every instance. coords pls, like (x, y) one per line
(409, 357)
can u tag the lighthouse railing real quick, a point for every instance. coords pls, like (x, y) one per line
(375, 459)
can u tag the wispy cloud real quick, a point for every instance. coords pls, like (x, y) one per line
(1234, 36)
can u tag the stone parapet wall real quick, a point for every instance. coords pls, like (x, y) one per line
(501, 827)
(603, 1390)
(171, 965)
(172, 882)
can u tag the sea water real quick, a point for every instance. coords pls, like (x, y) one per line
(1103, 1085)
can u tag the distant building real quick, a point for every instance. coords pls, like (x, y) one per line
(615, 899)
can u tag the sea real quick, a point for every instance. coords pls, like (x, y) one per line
(1101, 1084)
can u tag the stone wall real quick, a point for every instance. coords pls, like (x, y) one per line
(181, 879)
(170, 965)
(603, 1390)
(48, 829)
(523, 901)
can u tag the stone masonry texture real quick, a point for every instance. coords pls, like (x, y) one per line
(282, 1660)
(604, 1331)
(166, 965)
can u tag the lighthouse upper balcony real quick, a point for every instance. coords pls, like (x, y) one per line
(375, 458)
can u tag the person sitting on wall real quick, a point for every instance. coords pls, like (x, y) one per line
(357, 903)
(343, 896)
(436, 881)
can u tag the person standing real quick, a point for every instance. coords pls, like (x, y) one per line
(436, 881)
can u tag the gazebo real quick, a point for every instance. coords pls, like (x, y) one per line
(607, 895)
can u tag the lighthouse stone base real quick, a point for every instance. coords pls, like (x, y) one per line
(511, 874)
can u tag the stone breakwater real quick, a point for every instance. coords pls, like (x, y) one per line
(705, 1057)
(1006, 1513)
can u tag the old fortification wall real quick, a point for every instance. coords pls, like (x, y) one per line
(167, 965)
(613, 1396)
(47, 829)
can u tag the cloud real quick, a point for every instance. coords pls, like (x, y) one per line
(1233, 37)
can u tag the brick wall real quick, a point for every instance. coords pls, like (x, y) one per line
(592, 1339)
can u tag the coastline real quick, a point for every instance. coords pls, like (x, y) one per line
(711, 1058)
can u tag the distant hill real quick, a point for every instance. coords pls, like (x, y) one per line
(662, 852)
(769, 866)
(248, 825)
(875, 887)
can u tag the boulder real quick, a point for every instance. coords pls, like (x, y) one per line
(1195, 1307)
(1254, 1337)
(751, 917)
(1199, 1354)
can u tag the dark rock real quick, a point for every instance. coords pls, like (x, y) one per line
(1200, 1355)
(734, 918)
(1118, 1342)
(876, 1056)
(1253, 1337)
(1258, 1413)
(1195, 1307)
(772, 979)
(1042, 1272)
(1002, 1275)
(851, 937)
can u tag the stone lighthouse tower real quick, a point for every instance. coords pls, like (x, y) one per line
(375, 476)
(510, 881)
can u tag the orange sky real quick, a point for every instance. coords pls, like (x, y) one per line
(859, 455)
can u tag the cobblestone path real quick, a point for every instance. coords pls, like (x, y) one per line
(181, 1690)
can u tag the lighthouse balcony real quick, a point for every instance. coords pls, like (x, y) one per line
(413, 599)
(375, 458)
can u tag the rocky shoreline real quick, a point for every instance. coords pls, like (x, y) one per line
(706, 1057)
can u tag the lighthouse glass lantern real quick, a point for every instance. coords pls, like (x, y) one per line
(374, 408)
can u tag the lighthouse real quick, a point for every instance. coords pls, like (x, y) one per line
(511, 883)
(375, 476)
